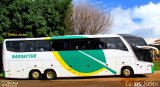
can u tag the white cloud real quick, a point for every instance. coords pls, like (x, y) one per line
(122, 21)
(149, 20)
(99, 2)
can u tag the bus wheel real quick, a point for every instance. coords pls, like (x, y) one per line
(35, 75)
(127, 72)
(50, 74)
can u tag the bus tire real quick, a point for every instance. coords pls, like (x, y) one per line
(127, 72)
(50, 74)
(35, 74)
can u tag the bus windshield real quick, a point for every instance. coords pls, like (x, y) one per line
(136, 41)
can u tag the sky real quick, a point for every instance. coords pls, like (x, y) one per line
(137, 17)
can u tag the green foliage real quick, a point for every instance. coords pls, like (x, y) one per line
(36, 18)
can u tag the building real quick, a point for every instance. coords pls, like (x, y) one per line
(157, 42)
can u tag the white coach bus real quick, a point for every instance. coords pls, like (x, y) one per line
(76, 55)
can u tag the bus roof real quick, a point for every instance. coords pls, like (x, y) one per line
(67, 37)
(128, 35)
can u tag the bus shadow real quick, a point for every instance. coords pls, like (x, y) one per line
(76, 78)
(93, 77)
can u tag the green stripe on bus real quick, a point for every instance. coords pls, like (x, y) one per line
(111, 70)
(84, 63)
(67, 37)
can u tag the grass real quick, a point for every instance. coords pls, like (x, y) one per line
(157, 66)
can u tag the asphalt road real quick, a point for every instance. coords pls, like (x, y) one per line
(150, 80)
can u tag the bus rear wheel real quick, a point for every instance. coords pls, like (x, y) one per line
(35, 75)
(50, 74)
(127, 72)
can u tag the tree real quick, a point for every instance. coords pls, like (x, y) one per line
(88, 19)
(35, 18)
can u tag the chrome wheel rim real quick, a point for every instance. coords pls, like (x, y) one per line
(35, 75)
(126, 72)
(50, 74)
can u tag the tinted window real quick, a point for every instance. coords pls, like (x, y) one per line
(59, 45)
(136, 41)
(115, 43)
(78, 44)
(97, 43)
(86, 44)
(66, 44)
(43, 45)
(26, 46)
(20, 46)
(13, 46)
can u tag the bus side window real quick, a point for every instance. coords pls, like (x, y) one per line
(97, 43)
(26, 46)
(78, 44)
(43, 45)
(116, 43)
(87, 44)
(111, 46)
(13, 46)
(58, 45)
